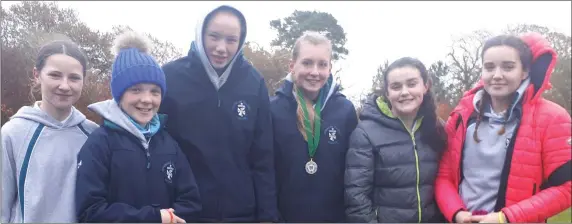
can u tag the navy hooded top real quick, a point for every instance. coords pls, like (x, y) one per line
(123, 176)
(223, 125)
(317, 197)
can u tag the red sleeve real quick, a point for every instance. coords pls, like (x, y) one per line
(446, 193)
(556, 154)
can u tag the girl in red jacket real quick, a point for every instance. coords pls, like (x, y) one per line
(508, 155)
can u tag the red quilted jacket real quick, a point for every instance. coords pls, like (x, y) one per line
(535, 182)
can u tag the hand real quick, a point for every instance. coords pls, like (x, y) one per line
(488, 218)
(166, 216)
(463, 217)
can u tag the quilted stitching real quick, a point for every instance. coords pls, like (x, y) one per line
(540, 148)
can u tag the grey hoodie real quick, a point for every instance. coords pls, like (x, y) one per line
(110, 110)
(483, 162)
(39, 165)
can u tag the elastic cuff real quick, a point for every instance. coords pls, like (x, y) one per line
(455, 214)
(505, 216)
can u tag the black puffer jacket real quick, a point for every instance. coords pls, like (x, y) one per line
(389, 174)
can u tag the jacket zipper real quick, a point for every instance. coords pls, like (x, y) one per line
(417, 185)
(412, 135)
(148, 154)
(460, 167)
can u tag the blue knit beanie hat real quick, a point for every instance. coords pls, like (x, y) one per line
(133, 65)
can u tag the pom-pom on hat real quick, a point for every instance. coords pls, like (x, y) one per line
(133, 65)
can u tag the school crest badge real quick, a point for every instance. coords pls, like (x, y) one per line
(241, 109)
(333, 134)
(169, 171)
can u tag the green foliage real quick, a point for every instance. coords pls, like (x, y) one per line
(293, 26)
(438, 72)
(563, 217)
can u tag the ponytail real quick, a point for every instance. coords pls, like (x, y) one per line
(485, 101)
(300, 116)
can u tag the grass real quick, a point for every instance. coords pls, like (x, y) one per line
(563, 217)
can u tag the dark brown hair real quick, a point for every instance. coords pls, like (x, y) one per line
(56, 47)
(432, 130)
(525, 56)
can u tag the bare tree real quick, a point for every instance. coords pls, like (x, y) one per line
(465, 62)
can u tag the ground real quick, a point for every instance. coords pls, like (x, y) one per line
(564, 217)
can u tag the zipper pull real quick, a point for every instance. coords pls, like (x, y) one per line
(148, 160)
(219, 102)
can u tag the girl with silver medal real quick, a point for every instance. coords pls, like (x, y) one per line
(312, 122)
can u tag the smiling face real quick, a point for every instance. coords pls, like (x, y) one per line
(141, 102)
(311, 69)
(502, 71)
(61, 81)
(405, 91)
(222, 38)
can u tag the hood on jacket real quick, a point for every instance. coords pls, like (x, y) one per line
(198, 47)
(329, 89)
(115, 118)
(36, 114)
(544, 59)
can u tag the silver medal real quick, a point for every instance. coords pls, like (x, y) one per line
(311, 167)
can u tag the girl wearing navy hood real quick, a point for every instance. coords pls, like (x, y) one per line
(219, 113)
(312, 124)
(130, 169)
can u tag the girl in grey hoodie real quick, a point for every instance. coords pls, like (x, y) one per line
(40, 142)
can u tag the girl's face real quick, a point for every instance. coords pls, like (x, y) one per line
(221, 38)
(502, 71)
(61, 81)
(405, 91)
(312, 68)
(141, 102)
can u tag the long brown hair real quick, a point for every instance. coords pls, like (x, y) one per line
(313, 38)
(432, 130)
(525, 55)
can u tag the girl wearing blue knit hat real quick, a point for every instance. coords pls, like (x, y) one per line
(130, 169)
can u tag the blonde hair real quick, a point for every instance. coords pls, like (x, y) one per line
(314, 38)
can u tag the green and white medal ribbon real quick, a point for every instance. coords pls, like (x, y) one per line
(313, 136)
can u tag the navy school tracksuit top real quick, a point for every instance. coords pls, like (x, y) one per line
(227, 137)
(124, 176)
(225, 132)
(318, 197)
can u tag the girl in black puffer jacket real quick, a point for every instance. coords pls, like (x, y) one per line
(395, 151)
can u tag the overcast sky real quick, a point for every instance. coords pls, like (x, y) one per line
(375, 30)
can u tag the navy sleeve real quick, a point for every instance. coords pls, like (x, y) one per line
(352, 120)
(92, 183)
(187, 200)
(168, 103)
(262, 161)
